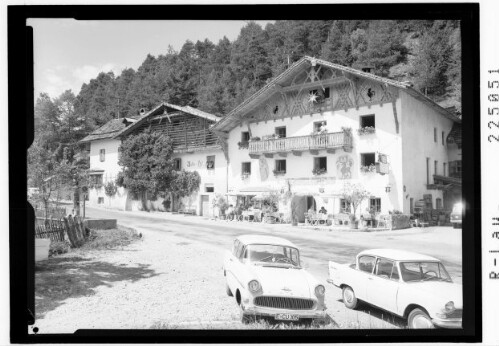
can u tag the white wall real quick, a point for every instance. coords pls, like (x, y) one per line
(111, 169)
(385, 141)
(217, 177)
(418, 123)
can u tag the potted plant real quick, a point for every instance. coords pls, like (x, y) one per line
(374, 215)
(221, 204)
(243, 145)
(366, 130)
(368, 169)
(276, 172)
(354, 194)
(318, 171)
(254, 139)
(245, 175)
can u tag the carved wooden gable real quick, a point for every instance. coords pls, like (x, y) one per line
(319, 89)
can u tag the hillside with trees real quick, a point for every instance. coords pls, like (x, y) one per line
(217, 77)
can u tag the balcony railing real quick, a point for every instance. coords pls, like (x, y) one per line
(333, 140)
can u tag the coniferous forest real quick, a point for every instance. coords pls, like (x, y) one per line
(216, 77)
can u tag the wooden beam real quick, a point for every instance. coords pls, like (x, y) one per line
(220, 134)
(313, 84)
(395, 116)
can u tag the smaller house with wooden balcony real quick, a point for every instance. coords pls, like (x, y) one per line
(195, 148)
(319, 125)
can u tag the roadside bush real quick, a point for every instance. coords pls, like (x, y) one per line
(111, 238)
(58, 248)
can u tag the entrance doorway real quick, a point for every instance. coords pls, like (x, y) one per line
(205, 205)
(311, 203)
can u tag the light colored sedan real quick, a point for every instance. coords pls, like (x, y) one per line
(264, 275)
(408, 284)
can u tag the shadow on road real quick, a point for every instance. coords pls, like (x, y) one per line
(380, 314)
(58, 279)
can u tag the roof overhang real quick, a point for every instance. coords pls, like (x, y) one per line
(162, 107)
(231, 120)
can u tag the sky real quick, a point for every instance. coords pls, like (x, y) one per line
(68, 52)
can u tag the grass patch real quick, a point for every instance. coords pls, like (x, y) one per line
(111, 238)
(260, 324)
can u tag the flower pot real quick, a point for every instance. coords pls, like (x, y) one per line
(354, 224)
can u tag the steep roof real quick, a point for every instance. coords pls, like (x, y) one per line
(108, 130)
(165, 106)
(305, 62)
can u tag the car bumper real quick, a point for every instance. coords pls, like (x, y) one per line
(451, 323)
(270, 312)
(459, 221)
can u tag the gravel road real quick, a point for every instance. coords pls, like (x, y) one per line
(173, 276)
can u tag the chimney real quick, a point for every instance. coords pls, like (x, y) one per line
(367, 69)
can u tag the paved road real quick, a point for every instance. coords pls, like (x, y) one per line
(316, 246)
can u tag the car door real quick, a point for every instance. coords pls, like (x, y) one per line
(231, 264)
(383, 286)
(360, 280)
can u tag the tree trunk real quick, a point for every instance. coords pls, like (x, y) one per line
(144, 201)
(76, 201)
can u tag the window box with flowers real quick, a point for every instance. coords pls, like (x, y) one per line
(243, 145)
(277, 173)
(366, 130)
(254, 139)
(319, 171)
(245, 175)
(368, 169)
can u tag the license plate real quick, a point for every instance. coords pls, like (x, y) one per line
(286, 317)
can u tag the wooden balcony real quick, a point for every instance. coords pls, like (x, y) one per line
(329, 141)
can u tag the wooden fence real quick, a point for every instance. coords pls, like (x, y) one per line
(52, 212)
(58, 229)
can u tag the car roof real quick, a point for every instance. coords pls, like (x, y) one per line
(264, 239)
(398, 255)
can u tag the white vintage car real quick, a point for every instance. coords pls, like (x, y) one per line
(414, 286)
(264, 274)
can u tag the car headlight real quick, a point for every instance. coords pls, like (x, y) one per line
(320, 290)
(254, 286)
(449, 307)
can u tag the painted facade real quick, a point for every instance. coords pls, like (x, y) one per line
(386, 119)
(303, 136)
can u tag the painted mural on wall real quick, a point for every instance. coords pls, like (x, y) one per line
(264, 168)
(344, 166)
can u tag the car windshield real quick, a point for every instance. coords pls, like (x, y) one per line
(423, 271)
(275, 255)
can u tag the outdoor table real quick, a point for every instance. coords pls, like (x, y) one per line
(249, 215)
(271, 217)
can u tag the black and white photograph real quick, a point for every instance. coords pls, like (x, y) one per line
(253, 175)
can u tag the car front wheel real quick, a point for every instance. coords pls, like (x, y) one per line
(349, 298)
(418, 319)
